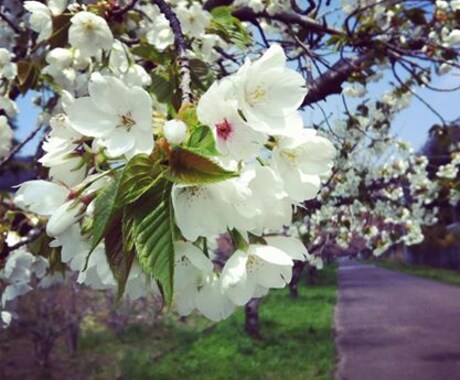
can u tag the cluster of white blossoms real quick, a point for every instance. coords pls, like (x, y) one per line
(8, 71)
(6, 136)
(450, 170)
(374, 207)
(259, 139)
(141, 183)
(22, 272)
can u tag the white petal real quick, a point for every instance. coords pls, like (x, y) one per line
(292, 246)
(62, 218)
(89, 120)
(234, 270)
(118, 142)
(194, 254)
(40, 196)
(109, 94)
(212, 303)
(270, 254)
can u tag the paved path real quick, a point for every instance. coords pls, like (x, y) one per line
(392, 326)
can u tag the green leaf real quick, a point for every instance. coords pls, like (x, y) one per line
(190, 168)
(152, 227)
(238, 240)
(120, 260)
(187, 113)
(229, 27)
(139, 175)
(202, 142)
(149, 53)
(161, 88)
(28, 74)
(104, 209)
(201, 75)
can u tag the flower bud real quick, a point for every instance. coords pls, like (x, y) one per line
(175, 131)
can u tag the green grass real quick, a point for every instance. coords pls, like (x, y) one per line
(444, 275)
(298, 343)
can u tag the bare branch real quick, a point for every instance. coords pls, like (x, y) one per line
(331, 81)
(247, 14)
(10, 23)
(19, 146)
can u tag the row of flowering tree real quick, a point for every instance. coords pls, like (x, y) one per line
(166, 124)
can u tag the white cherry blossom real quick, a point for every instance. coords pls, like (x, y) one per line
(89, 33)
(268, 91)
(120, 117)
(262, 265)
(233, 135)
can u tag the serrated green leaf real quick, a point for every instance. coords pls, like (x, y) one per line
(161, 88)
(222, 13)
(190, 168)
(229, 27)
(202, 141)
(201, 75)
(120, 260)
(152, 228)
(149, 53)
(104, 209)
(139, 175)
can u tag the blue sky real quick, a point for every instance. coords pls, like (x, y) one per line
(411, 124)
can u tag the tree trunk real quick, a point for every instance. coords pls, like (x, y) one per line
(43, 346)
(73, 334)
(312, 272)
(252, 326)
(296, 275)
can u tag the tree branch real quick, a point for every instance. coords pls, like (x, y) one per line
(331, 81)
(247, 14)
(19, 146)
(10, 23)
(179, 42)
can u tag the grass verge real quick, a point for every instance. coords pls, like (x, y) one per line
(444, 275)
(298, 343)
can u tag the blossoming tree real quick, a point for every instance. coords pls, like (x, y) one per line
(166, 124)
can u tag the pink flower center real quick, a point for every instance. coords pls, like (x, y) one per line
(224, 129)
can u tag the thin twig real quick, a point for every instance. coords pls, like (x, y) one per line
(179, 42)
(10, 23)
(34, 235)
(19, 146)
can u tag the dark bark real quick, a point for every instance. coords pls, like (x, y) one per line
(210, 4)
(296, 275)
(312, 273)
(72, 335)
(309, 24)
(331, 81)
(252, 325)
(43, 344)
